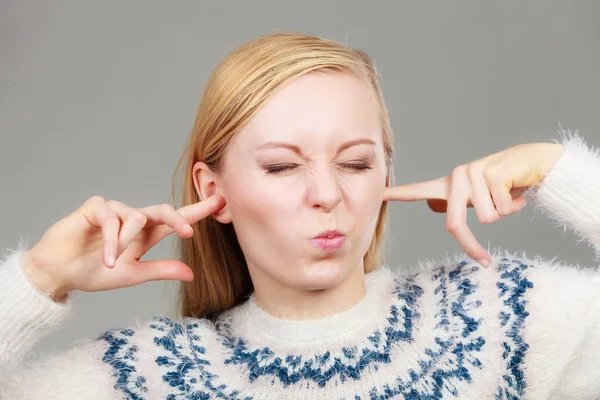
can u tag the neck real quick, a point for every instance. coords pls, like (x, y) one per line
(322, 324)
(282, 301)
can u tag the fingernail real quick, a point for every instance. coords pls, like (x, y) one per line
(111, 261)
(523, 206)
(485, 263)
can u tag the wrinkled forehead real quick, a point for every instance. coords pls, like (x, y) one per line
(319, 109)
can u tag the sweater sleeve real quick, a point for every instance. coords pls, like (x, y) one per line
(27, 315)
(570, 193)
(562, 329)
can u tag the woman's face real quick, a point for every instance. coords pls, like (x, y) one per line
(311, 160)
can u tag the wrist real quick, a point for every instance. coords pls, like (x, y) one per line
(555, 150)
(42, 281)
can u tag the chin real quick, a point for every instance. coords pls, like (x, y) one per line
(322, 274)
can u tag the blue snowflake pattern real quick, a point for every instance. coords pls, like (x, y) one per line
(121, 356)
(512, 287)
(451, 357)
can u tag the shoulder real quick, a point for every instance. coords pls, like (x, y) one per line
(76, 372)
(512, 272)
(561, 306)
(532, 313)
(509, 277)
(156, 329)
(545, 291)
(151, 333)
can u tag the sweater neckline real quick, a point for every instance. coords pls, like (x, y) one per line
(250, 321)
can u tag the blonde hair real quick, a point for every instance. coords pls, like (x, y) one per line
(237, 88)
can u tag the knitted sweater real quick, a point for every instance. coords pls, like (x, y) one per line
(523, 328)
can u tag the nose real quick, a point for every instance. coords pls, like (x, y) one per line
(323, 190)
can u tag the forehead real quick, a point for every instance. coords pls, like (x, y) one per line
(318, 105)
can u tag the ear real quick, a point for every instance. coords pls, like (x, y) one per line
(206, 183)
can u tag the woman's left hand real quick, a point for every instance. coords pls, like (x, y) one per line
(492, 185)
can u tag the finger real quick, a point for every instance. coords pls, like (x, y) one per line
(163, 220)
(456, 220)
(518, 204)
(198, 211)
(500, 193)
(481, 198)
(191, 214)
(98, 214)
(165, 214)
(434, 189)
(503, 198)
(133, 222)
(155, 270)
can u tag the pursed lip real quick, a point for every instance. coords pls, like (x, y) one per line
(329, 241)
(329, 234)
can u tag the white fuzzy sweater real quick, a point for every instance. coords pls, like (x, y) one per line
(524, 328)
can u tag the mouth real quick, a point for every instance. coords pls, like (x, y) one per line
(330, 241)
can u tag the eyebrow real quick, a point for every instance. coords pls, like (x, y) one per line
(296, 149)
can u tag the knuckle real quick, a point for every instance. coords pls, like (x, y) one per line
(113, 203)
(458, 170)
(486, 218)
(166, 207)
(491, 173)
(139, 217)
(110, 220)
(452, 225)
(473, 169)
(94, 200)
(457, 175)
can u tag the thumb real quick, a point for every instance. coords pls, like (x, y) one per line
(517, 204)
(158, 270)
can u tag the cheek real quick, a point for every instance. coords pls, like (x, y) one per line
(364, 192)
(263, 204)
(277, 203)
(364, 199)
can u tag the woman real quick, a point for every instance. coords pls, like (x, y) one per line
(287, 179)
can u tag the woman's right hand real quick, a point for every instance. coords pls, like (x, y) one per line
(79, 251)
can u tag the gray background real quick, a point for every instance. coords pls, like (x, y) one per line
(98, 97)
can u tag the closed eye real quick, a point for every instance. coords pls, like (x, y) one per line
(358, 167)
(280, 168)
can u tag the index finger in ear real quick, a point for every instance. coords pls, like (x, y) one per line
(191, 213)
(434, 189)
(195, 212)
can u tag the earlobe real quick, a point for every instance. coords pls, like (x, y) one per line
(206, 183)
